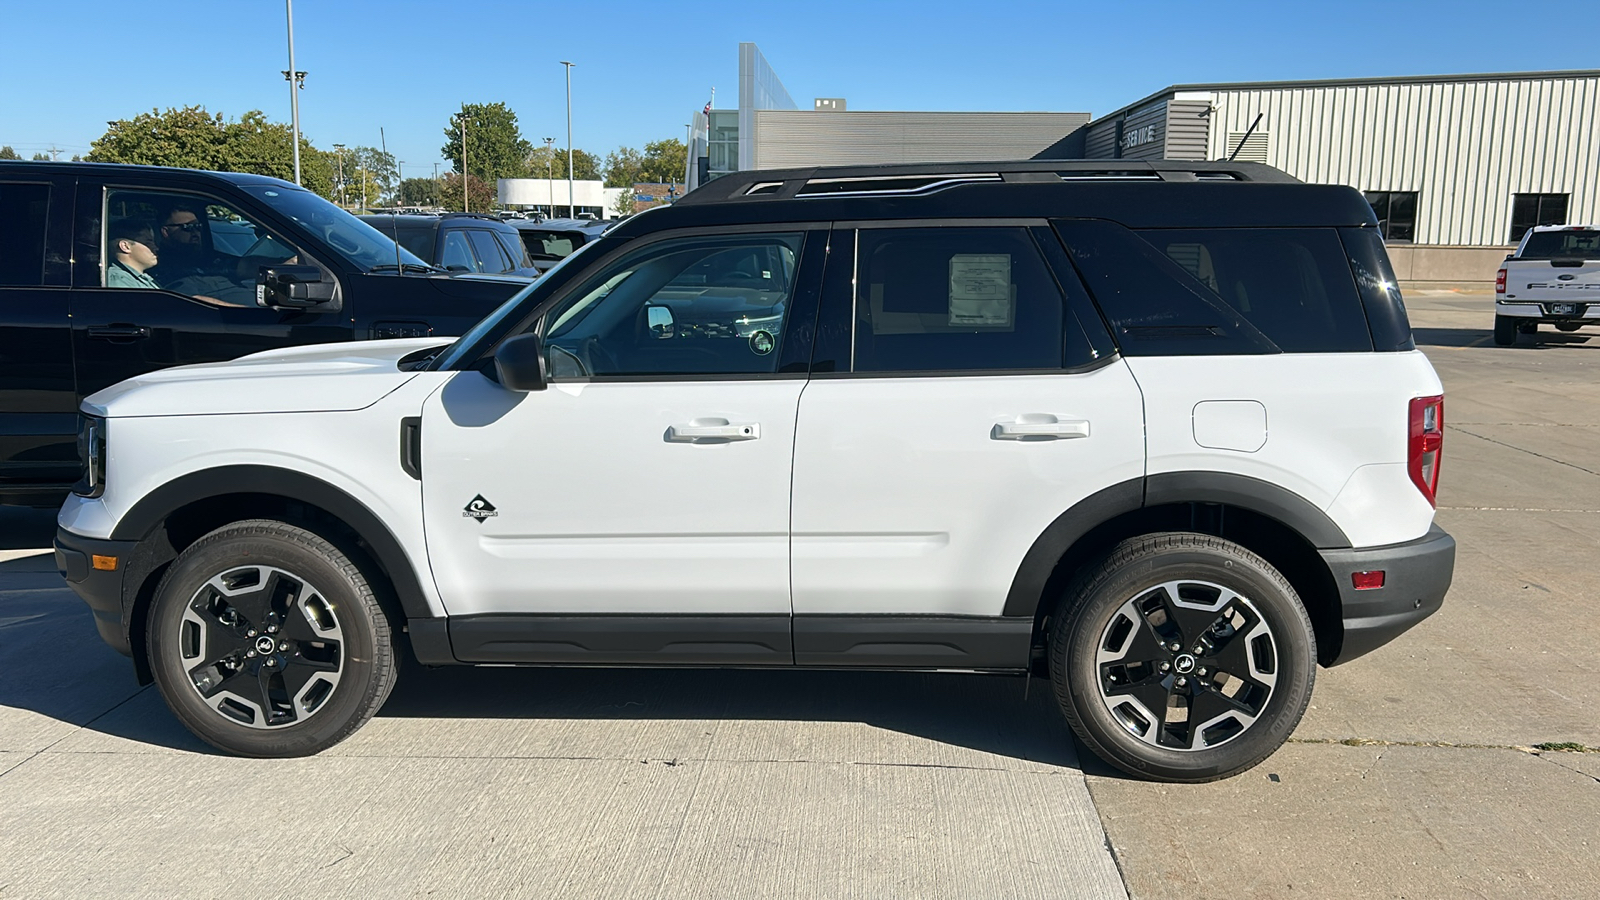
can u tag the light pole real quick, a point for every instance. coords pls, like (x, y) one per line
(572, 208)
(466, 204)
(550, 174)
(399, 179)
(438, 195)
(297, 80)
(339, 149)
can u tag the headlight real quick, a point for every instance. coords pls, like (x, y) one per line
(91, 456)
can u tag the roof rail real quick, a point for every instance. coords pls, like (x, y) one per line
(908, 180)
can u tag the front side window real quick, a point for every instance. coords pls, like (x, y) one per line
(187, 244)
(954, 299)
(691, 306)
(1397, 214)
(456, 256)
(1529, 210)
(23, 211)
(490, 257)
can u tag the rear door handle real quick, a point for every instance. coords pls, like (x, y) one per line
(118, 332)
(713, 431)
(1040, 427)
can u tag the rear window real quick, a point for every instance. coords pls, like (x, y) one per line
(416, 238)
(22, 225)
(1221, 290)
(1562, 245)
(548, 245)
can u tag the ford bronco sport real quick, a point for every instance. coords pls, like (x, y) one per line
(1159, 431)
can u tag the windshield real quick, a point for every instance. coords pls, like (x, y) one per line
(547, 283)
(1580, 244)
(551, 244)
(362, 245)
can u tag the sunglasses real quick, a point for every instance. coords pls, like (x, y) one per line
(186, 226)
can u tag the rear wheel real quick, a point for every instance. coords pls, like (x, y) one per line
(1182, 657)
(1505, 330)
(266, 640)
(1568, 326)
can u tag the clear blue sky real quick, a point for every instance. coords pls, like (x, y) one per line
(68, 68)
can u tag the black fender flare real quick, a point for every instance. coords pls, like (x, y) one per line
(1277, 503)
(154, 507)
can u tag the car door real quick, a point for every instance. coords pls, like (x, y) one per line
(38, 410)
(966, 411)
(637, 509)
(202, 308)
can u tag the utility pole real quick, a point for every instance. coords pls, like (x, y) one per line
(466, 203)
(550, 174)
(572, 209)
(339, 150)
(438, 195)
(297, 79)
(363, 186)
(383, 143)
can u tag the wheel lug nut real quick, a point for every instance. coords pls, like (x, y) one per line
(1182, 682)
(252, 633)
(284, 645)
(1174, 647)
(250, 653)
(1166, 667)
(271, 661)
(272, 629)
(1201, 672)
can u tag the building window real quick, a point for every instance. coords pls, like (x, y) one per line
(1528, 210)
(1397, 214)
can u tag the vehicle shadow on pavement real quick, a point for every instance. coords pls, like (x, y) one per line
(22, 528)
(1006, 715)
(1473, 337)
(54, 665)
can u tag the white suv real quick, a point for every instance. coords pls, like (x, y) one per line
(1158, 430)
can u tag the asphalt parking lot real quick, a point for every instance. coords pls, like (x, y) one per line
(1417, 772)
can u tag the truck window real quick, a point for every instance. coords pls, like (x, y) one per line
(1572, 244)
(188, 244)
(23, 209)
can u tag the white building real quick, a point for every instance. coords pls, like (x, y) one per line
(591, 197)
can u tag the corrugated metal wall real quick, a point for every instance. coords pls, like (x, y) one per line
(786, 138)
(1465, 147)
(1100, 142)
(1139, 120)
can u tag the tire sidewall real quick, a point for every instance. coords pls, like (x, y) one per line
(230, 548)
(1234, 568)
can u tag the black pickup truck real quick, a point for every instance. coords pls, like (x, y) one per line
(109, 271)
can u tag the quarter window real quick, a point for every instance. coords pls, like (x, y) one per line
(694, 306)
(23, 210)
(1397, 214)
(1528, 210)
(954, 299)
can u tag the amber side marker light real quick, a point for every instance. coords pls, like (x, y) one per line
(1367, 581)
(104, 563)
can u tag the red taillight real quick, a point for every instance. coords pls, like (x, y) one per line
(1367, 581)
(1500, 282)
(1426, 445)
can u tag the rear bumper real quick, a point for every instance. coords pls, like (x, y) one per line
(101, 589)
(1416, 576)
(1585, 311)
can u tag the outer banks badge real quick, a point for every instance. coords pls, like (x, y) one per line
(479, 509)
(762, 343)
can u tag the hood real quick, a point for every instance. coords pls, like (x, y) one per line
(316, 378)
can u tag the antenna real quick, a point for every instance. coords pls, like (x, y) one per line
(1246, 137)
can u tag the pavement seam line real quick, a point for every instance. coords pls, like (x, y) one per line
(75, 730)
(1523, 450)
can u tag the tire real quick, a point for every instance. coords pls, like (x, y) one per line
(1245, 689)
(266, 640)
(1505, 330)
(1568, 326)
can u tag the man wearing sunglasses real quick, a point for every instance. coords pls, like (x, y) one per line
(182, 243)
(132, 247)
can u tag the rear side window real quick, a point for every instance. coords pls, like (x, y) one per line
(513, 246)
(23, 210)
(1293, 284)
(952, 299)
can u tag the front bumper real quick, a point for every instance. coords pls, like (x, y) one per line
(101, 589)
(1416, 576)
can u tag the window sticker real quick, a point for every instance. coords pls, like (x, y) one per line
(980, 290)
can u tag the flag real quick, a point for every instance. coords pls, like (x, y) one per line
(708, 107)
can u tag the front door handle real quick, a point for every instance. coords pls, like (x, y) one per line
(1040, 427)
(119, 332)
(713, 431)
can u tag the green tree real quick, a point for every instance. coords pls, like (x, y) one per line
(624, 204)
(7, 153)
(41, 157)
(481, 194)
(585, 165)
(623, 166)
(419, 192)
(664, 161)
(193, 138)
(495, 146)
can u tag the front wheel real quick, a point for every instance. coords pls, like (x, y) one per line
(266, 640)
(1505, 330)
(1182, 657)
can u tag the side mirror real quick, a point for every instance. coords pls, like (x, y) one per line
(660, 322)
(519, 364)
(292, 287)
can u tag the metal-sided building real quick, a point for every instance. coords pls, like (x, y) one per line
(1456, 166)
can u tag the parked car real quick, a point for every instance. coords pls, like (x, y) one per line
(460, 242)
(241, 263)
(1553, 278)
(549, 241)
(998, 417)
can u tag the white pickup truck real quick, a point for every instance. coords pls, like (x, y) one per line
(1554, 277)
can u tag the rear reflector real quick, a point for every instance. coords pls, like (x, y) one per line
(1425, 445)
(1367, 581)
